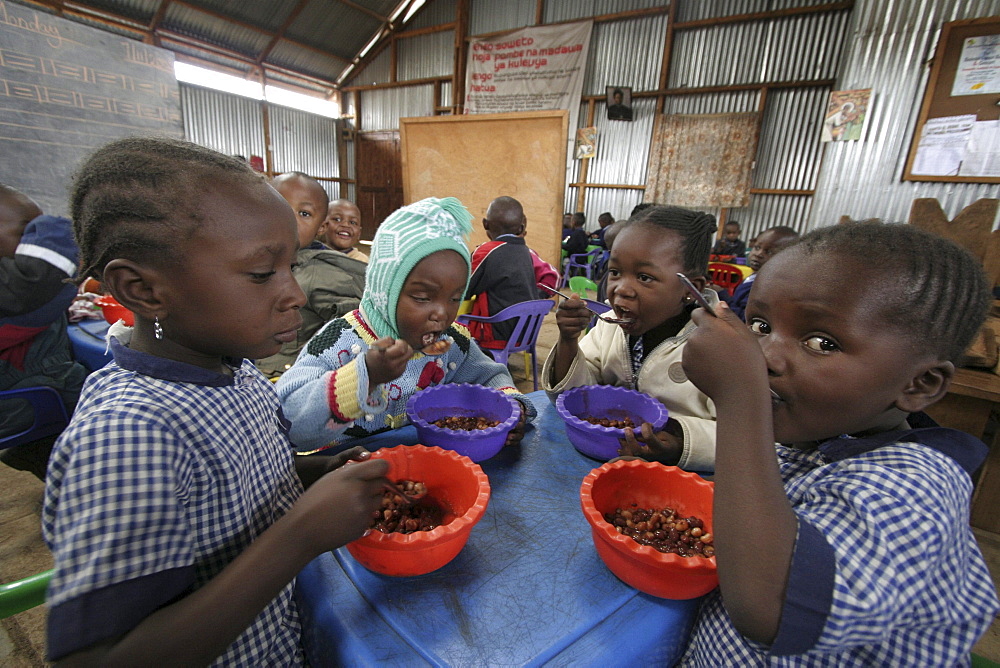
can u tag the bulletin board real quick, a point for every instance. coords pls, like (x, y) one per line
(479, 157)
(949, 67)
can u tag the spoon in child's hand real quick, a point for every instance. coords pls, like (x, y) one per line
(608, 319)
(698, 297)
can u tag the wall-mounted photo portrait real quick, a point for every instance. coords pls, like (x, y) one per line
(619, 103)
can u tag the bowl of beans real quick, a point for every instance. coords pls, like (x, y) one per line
(652, 527)
(113, 311)
(416, 538)
(596, 417)
(472, 420)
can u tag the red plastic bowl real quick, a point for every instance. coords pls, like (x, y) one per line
(455, 482)
(113, 311)
(650, 485)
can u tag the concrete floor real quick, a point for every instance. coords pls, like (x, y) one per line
(22, 552)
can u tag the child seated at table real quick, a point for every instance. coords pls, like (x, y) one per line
(356, 374)
(173, 505)
(644, 353)
(730, 244)
(341, 230)
(332, 282)
(37, 256)
(763, 248)
(841, 530)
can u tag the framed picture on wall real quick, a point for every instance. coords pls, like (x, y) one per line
(619, 103)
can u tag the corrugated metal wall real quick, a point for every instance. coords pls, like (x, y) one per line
(229, 124)
(888, 46)
(234, 125)
(382, 108)
(879, 44)
(303, 142)
(424, 56)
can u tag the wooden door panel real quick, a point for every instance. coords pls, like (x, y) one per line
(380, 179)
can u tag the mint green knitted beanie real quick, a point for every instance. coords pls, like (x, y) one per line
(405, 238)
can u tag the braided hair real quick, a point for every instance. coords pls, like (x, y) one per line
(938, 295)
(136, 198)
(696, 229)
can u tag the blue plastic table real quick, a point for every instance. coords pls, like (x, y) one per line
(87, 339)
(527, 589)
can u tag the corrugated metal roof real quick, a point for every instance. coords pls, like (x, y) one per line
(317, 39)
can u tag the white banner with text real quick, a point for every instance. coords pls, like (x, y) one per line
(529, 70)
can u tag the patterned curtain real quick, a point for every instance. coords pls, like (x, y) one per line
(702, 160)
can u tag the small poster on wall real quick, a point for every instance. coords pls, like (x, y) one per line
(846, 115)
(978, 71)
(619, 103)
(586, 143)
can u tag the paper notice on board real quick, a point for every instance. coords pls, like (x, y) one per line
(978, 71)
(942, 145)
(982, 151)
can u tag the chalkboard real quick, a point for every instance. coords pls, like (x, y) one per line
(949, 96)
(66, 89)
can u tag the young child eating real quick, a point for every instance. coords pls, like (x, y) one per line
(644, 353)
(848, 543)
(355, 375)
(173, 503)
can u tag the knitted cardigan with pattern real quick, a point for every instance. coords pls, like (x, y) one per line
(325, 397)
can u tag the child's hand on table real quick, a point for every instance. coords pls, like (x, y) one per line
(515, 435)
(338, 507)
(386, 360)
(661, 446)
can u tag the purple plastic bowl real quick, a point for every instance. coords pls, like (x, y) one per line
(605, 401)
(463, 400)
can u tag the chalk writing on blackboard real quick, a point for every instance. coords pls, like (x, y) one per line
(68, 88)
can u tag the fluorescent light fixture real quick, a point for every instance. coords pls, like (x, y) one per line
(370, 44)
(314, 105)
(397, 11)
(227, 83)
(417, 4)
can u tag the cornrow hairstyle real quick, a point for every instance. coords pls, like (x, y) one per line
(136, 198)
(938, 295)
(639, 208)
(697, 232)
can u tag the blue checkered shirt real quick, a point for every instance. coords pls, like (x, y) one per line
(885, 572)
(165, 474)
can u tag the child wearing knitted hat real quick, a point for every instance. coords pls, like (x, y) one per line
(356, 374)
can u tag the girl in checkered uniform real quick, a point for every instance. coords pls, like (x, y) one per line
(841, 514)
(174, 507)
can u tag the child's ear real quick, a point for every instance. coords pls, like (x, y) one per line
(928, 386)
(133, 285)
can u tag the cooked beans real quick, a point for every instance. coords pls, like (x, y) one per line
(663, 530)
(463, 423)
(608, 422)
(397, 516)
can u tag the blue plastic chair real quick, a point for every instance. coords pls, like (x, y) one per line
(585, 262)
(530, 315)
(50, 414)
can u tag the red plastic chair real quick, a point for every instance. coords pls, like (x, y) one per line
(530, 315)
(726, 275)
